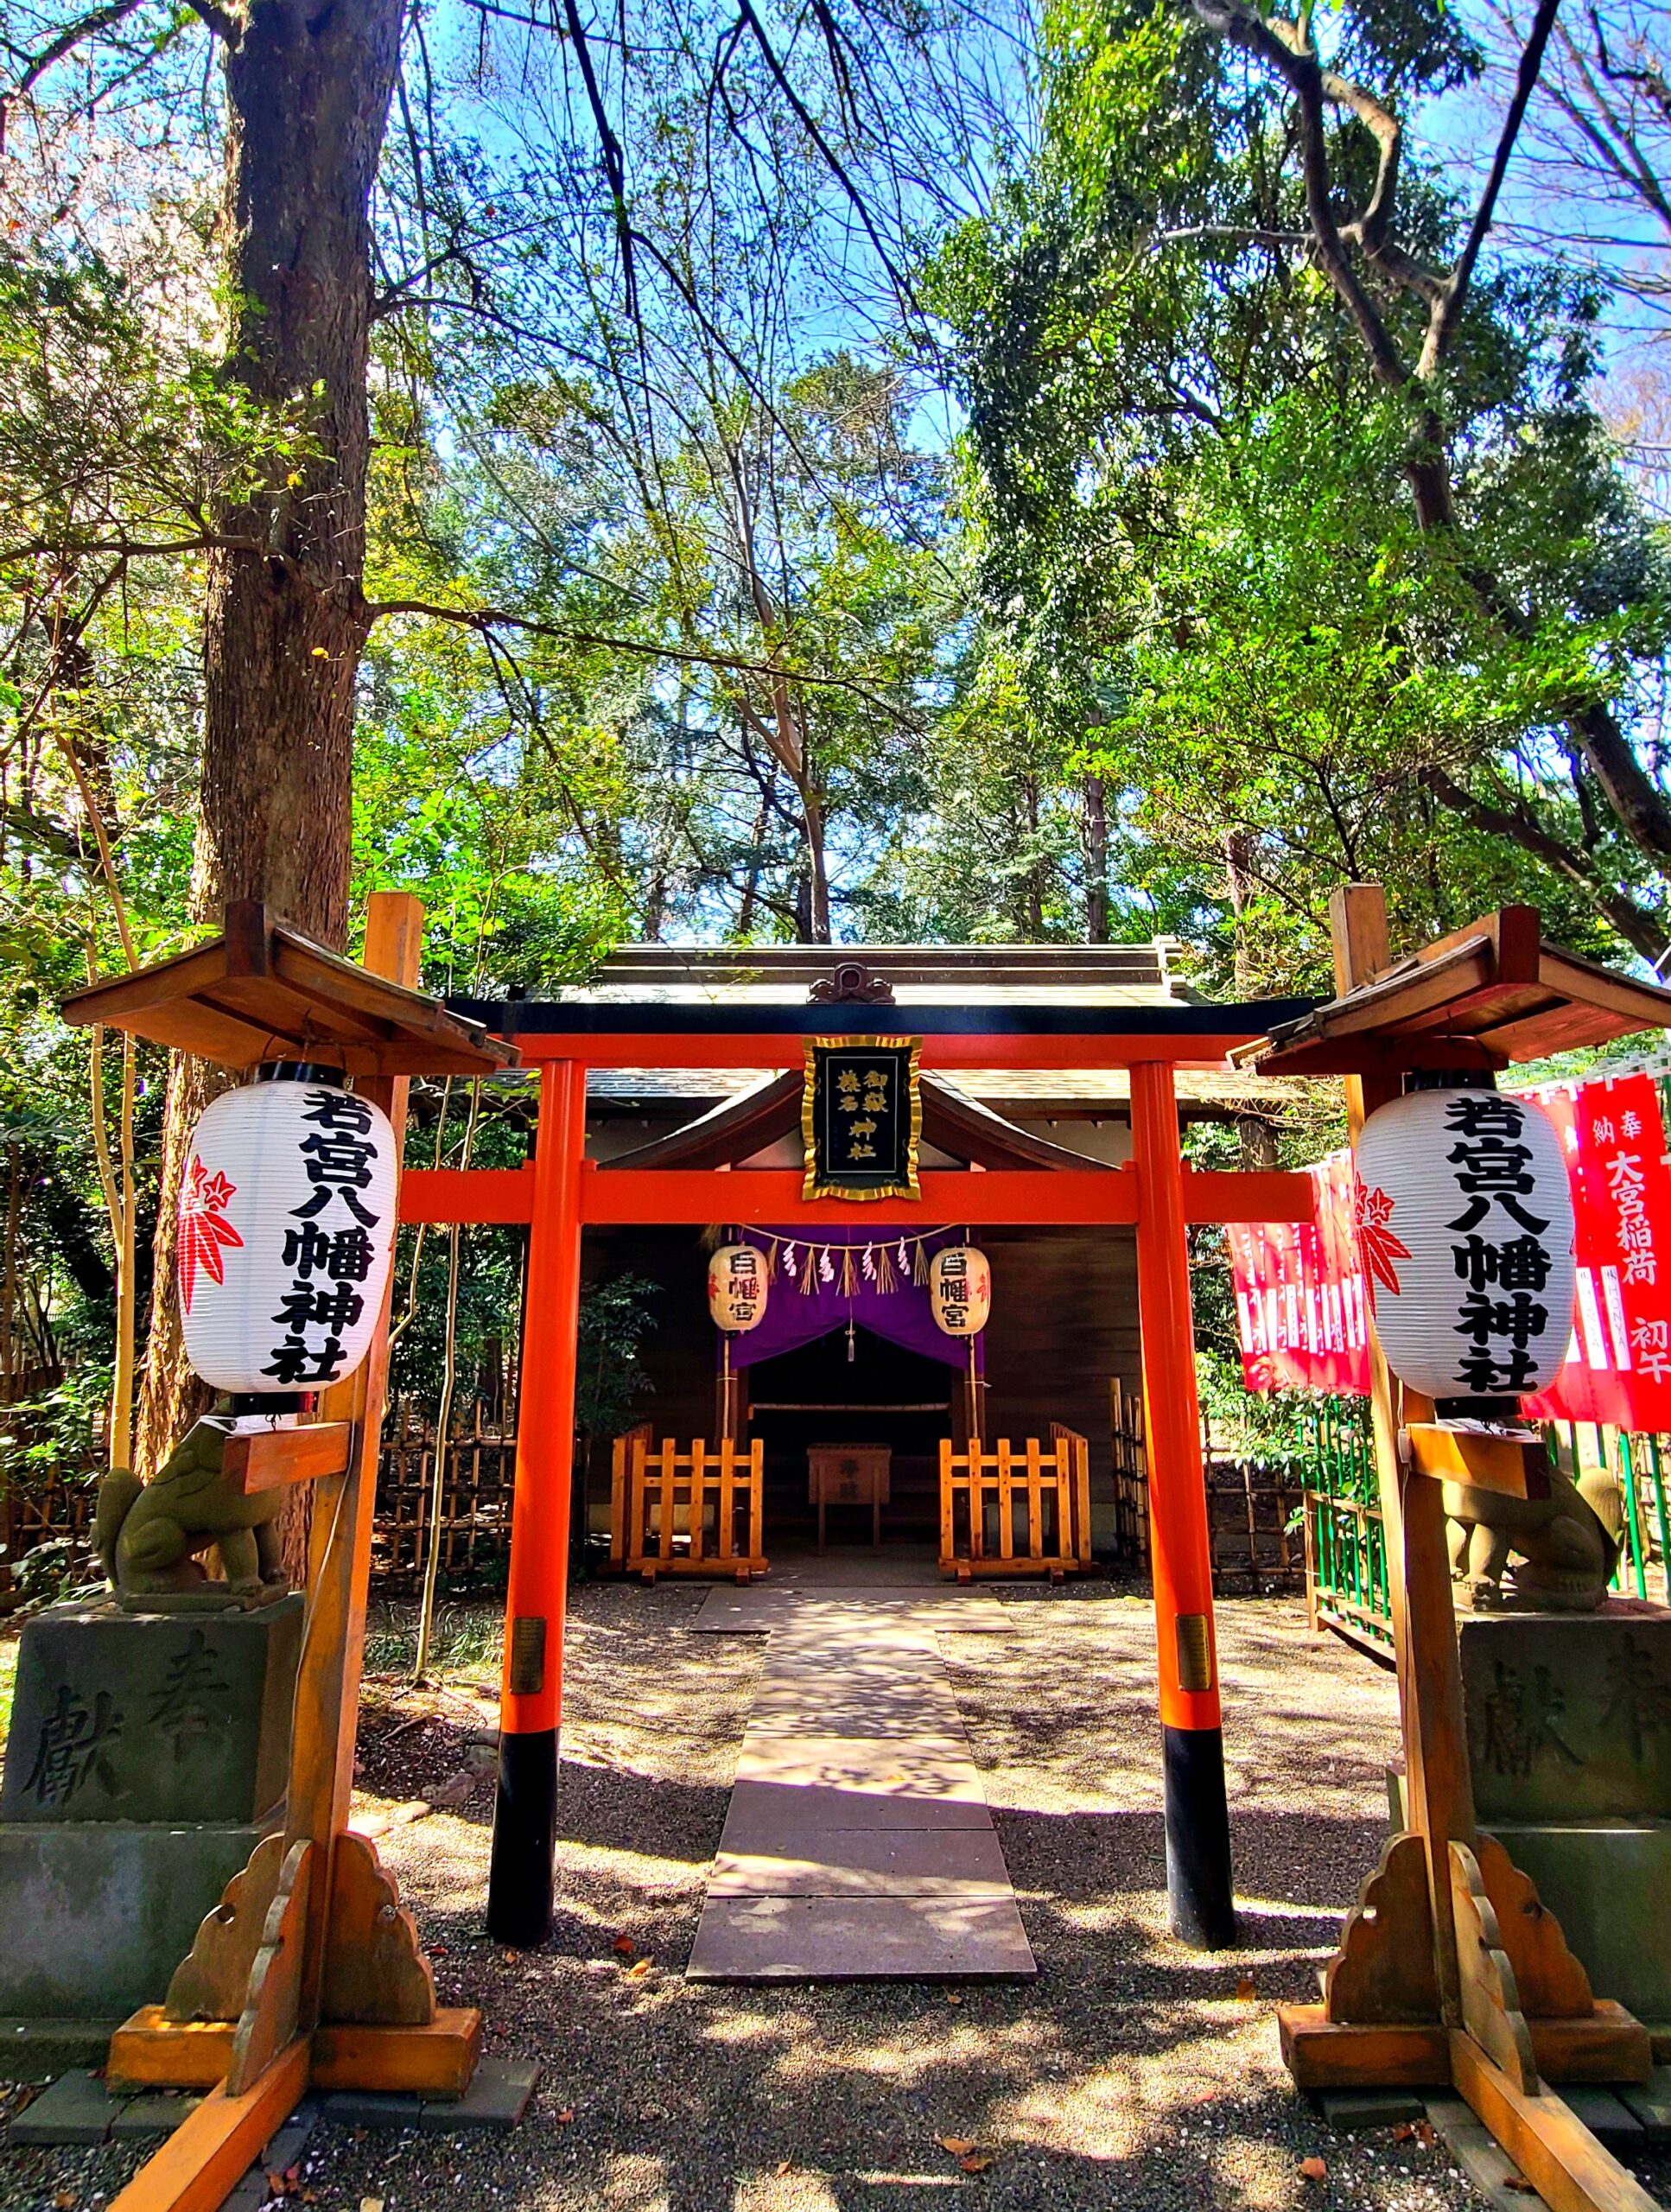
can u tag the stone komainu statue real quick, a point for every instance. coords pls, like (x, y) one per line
(1567, 1544)
(148, 1535)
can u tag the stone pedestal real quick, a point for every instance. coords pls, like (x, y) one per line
(147, 1757)
(1569, 1738)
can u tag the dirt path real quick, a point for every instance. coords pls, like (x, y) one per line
(1132, 2073)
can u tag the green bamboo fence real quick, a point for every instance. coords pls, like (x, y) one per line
(1345, 1543)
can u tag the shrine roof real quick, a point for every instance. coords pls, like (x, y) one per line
(952, 996)
(914, 975)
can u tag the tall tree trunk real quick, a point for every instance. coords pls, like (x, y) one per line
(1255, 1136)
(308, 94)
(812, 809)
(751, 897)
(1035, 867)
(1238, 883)
(1094, 833)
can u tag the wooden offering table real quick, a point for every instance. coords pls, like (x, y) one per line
(849, 1474)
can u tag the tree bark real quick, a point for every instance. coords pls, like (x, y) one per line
(1095, 833)
(308, 93)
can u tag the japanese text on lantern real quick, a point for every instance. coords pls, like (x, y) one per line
(744, 1284)
(330, 1252)
(1499, 1252)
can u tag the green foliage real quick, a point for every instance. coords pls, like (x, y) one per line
(612, 1382)
(1194, 522)
(57, 1435)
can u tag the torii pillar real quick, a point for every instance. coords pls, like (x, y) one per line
(1198, 1883)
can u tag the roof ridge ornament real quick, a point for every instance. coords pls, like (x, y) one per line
(851, 983)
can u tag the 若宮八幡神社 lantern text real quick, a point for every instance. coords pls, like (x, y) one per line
(1465, 1224)
(287, 1226)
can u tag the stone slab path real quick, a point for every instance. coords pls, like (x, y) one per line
(858, 1844)
(760, 1609)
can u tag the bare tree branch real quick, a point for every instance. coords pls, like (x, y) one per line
(1443, 326)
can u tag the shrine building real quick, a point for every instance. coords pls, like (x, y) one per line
(847, 1353)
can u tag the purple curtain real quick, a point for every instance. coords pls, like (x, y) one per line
(903, 1315)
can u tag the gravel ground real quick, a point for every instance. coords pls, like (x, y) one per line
(1132, 2073)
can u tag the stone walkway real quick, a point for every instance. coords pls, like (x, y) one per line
(858, 1844)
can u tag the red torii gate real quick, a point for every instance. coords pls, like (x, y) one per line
(560, 1193)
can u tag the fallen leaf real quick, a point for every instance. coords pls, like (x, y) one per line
(1314, 2169)
(953, 1997)
(959, 2145)
(784, 2166)
(625, 1946)
(65, 2201)
(371, 2204)
(1245, 1990)
(437, 1950)
(510, 1958)
(976, 2161)
(566, 2115)
(637, 1973)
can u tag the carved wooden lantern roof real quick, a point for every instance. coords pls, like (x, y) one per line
(1493, 993)
(262, 991)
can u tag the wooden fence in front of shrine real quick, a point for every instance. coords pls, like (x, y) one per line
(690, 1509)
(1016, 1508)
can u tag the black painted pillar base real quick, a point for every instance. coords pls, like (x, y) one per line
(1199, 1889)
(525, 1839)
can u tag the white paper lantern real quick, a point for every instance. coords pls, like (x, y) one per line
(286, 1233)
(1465, 1228)
(959, 1289)
(737, 1289)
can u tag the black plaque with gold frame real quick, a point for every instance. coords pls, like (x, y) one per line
(861, 1118)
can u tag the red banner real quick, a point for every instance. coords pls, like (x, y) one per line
(1299, 1287)
(1300, 1294)
(1619, 1368)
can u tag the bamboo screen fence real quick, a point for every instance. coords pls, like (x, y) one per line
(1253, 1505)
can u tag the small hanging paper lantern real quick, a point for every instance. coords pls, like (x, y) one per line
(287, 1231)
(737, 1289)
(1465, 1222)
(959, 1289)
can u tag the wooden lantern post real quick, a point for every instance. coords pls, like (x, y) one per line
(308, 1972)
(1451, 1971)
